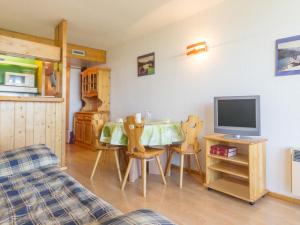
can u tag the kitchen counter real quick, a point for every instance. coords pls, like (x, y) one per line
(30, 99)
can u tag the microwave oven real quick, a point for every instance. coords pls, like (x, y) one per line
(19, 79)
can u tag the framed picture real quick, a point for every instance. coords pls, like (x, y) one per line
(146, 64)
(288, 56)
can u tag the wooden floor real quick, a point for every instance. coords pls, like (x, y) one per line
(194, 204)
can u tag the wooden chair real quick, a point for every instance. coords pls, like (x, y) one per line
(137, 151)
(190, 146)
(102, 147)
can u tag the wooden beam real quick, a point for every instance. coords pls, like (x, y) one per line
(91, 54)
(61, 41)
(15, 46)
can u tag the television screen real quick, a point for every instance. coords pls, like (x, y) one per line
(237, 113)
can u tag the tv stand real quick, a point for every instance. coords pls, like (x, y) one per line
(242, 176)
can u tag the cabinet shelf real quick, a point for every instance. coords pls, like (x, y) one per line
(239, 159)
(239, 171)
(231, 186)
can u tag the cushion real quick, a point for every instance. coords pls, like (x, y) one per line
(26, 159)
(140, 217)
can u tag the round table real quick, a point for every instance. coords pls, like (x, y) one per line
(155, 133)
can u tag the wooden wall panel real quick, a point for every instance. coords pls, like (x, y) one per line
(27, 123)
(39, 134)
(20, 124)
(7, 125)
(50, 125)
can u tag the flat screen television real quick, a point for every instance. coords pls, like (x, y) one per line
(237, 116)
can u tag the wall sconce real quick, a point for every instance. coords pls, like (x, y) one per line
(196, 48)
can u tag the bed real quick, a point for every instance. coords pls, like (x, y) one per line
(33, 190)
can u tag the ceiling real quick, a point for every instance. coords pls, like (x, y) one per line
(97, 23)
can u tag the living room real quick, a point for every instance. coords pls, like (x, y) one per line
(162, 61)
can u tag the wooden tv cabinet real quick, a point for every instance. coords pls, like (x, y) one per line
(242, 176)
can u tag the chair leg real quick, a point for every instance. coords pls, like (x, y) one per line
(169, 162)
(161, 170)
(96, 164)
(181, 169)
(127, 173)
(144, 176)
(189, 164)
(198, 164)
(118, 165)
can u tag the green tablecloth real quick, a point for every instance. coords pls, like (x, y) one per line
(155, 133)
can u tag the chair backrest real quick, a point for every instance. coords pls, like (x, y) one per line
(191, 130)
(134, 132)
(97, 125)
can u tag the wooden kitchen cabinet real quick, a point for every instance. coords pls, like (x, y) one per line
(95, 94)
(84, 134)
(95, 89)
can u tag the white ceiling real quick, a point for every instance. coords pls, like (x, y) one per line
(97, 23)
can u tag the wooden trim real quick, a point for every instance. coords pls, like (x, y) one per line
(284, 197)
(91, 54)
(30, 99)
(220, 137)
(9, 45)
(67, 98)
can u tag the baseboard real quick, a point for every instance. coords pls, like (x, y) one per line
(284, 197)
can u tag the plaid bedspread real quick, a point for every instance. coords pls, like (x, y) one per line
(49, 196)
(34, 191)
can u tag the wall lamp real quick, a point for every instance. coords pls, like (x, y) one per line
(196, 48)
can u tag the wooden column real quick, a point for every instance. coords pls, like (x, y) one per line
(61, 41)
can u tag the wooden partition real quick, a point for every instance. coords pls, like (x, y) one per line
(27, 120)
(27, 123)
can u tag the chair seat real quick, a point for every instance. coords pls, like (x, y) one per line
(149, 153)
(189, 150)
(103, 147)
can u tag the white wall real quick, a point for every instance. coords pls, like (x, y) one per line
(241, 61)
(75, 98)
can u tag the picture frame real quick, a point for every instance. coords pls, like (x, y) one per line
(146, 64)
(288, 56)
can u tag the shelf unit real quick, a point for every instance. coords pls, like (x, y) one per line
(241, 176)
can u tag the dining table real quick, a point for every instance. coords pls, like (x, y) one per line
(155, 133)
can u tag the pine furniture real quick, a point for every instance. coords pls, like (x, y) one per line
(136, 150)
(95, 93)
(83, 127)
(242, 176)
(190, 146)
(95, 89)
(97, 126)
